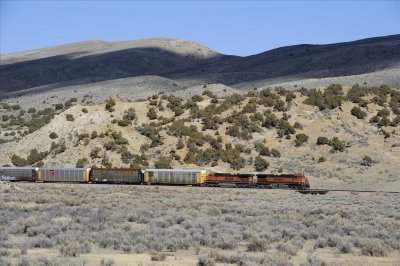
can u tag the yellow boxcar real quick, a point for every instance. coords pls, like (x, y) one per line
(174, 176)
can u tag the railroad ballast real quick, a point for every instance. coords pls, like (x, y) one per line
(194, 177)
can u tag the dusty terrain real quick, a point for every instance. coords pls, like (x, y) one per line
(61, 224)
(171, 103)
(246, 125)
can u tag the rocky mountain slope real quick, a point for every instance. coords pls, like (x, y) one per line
(81, 64)
(339, 137)
(171, 103)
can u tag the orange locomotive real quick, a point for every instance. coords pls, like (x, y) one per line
(261, 180)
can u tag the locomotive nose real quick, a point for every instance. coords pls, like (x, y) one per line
(307, 182)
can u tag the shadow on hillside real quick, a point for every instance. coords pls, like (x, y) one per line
(292, 62)
(99, 67)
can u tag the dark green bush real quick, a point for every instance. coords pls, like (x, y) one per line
(152, 132)
(297, 125)
(180, 145)
(251, 107)
(5, 118)
(321, 159)
(83, 136)
(262, 149)
(232, 156)
(18, 161)
(35, 156)
(357, 112)
(31, 110)
(300, 139)
(68, 104)
(110, 103)
(260, 164)
(106, 162)
(126, 156)
(384, 122)
(211, 122)
(94, 134)
(57, 148)
(383, 112)
(233, 131)
(110, 145)
(290, 96)
(163, 162)
(119, 139)
(356, 93)
(366, 161)
(139, 161)
(379, 100)
(337, 144)
(322, 141)
(94, 153)
(69, 117)
(334, 89)
(53, 135)
(275, 153)
(81, 163)
(152, 114)
(284, 128)
(330, 99)
(396, 121)
(197, 98)
(208, 93)
(178, 111)
(130, 114)
(124, 123)
(375, 119)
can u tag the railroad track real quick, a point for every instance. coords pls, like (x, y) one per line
(325, 191)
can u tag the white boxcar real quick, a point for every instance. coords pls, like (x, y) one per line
(79, 175)
(174, 176)
(18, 173)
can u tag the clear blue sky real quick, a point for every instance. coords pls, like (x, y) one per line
(230, 27)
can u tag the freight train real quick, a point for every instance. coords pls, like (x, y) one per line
(193, 177)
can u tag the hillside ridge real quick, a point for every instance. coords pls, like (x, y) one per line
(191, 63)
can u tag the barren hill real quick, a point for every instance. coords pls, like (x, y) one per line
(192, 64)
(179, 104)
(340, 138)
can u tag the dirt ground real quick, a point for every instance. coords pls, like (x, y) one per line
(71, 224)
